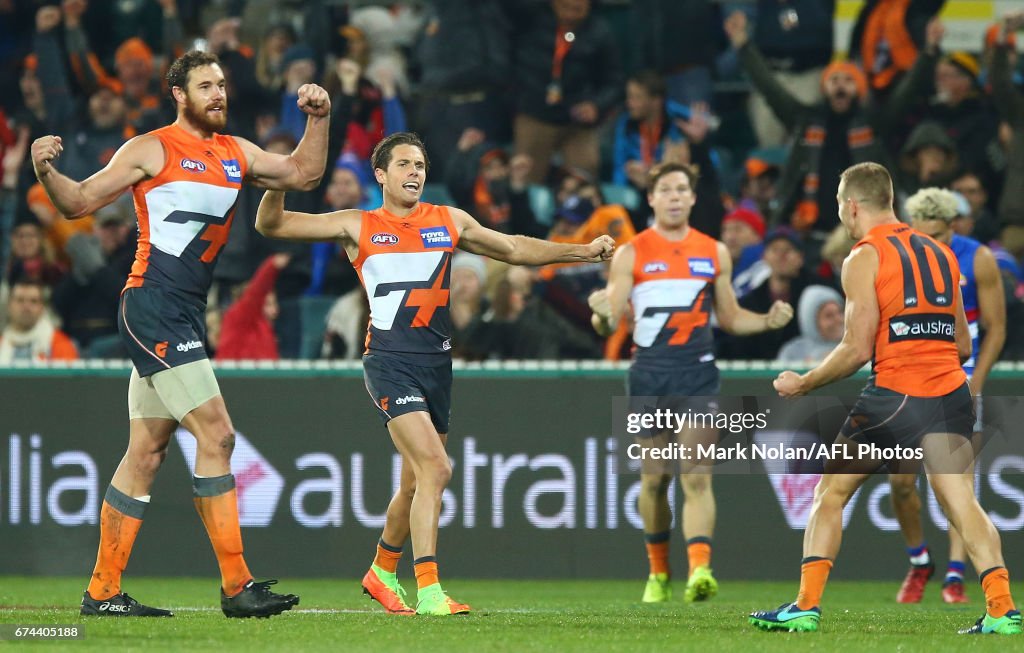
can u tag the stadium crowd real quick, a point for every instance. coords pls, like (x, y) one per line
(541, 117)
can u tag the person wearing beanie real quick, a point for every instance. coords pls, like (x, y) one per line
(848, 127)
(967, 115)
(743, 231)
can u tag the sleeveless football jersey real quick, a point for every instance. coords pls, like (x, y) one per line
(405, 266)
(185, 212)
(673, 283)
(965, 248)
(915, 344)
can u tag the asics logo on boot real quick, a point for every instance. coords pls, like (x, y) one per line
(110, 607)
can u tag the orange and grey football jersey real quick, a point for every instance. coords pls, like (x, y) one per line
(405, 266)
(185, 212)
(673, 283)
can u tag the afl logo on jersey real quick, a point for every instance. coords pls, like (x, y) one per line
(655, 266)
(384, 239)
(193, 166)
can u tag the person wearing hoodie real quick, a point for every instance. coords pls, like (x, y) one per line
(929, 158)
(247, 327)
(820, 315)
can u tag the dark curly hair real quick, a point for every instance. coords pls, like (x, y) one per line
(177, 74)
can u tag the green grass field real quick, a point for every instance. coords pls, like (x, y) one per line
(593, 616)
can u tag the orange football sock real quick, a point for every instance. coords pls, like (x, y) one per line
(120, 520)
(426, 571)
(698, 551)
(387, 557)
(657, 556)
(217, 504)
(996, 584)
(813, 576)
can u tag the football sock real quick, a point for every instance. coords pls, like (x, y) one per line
(426, 571)
(387, 556)
(120, 520)
(813, 576)
(657, 551)
(216, 502)
(698, 551)
(996, 584)
(955, 571)
(919, 556)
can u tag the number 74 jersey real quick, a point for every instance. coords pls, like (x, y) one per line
(917, 287)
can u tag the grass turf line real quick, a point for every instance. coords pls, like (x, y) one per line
(562, 616)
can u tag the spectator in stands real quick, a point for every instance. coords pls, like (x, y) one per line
(979, 222)
(88, 145)
(86, 299)
(837, 247)
(641, 132)
(821, 327)
(137, 78)
(584, 215)
(386, 31)
(30, 334)
(842, 131)
(276, 41)
(521, 326)
(742, 233)
(468, 303)
(346, 326)
(680, 39)
(929, 158)
(363, 113)
(485, 181)
(55, 227)
(783, 252)
(247, 326)
(31, 257)
(568, 76)
(1010, 103)
(467, 84)
(332, 273)
(248, 96)
(888, 37)
(694, 150)
(966, 114)
(795, 38)
(298, 67)
(758, 186)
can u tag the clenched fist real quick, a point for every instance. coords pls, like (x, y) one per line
(314, 101)
(599, 303)
(779, 315)
(44, 151)
(601, 249)
(788, 384)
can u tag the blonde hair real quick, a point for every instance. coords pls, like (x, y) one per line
(868, 182)
(932, 204)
